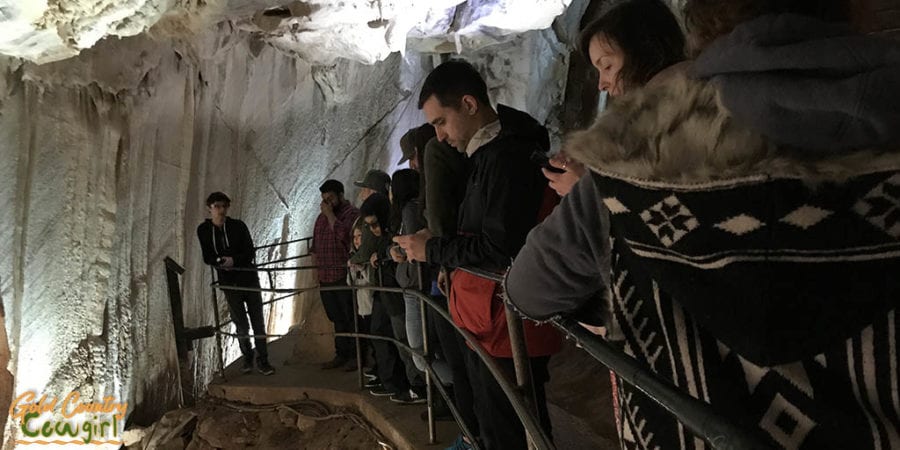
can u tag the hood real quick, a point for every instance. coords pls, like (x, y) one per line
(807, 84)
(521, 125)
(780, 254)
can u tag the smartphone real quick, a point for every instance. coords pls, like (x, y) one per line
(540, 158)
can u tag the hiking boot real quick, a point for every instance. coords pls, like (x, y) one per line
(381, 391)
(247, 365)
(460, 444)
(265, 368)
(408, 398)
(334, 363)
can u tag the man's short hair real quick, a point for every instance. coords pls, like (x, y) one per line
(217, 197)
(452, 80)
(332, 186)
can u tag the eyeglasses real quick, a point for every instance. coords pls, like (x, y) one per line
(373, 225)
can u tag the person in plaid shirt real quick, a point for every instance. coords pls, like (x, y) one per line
(331, 246)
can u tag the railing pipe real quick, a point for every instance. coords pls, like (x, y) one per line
(698, 417)
(215, 302)
(529, 421)
(276, 244)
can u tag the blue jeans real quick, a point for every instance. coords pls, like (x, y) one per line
(416, 341)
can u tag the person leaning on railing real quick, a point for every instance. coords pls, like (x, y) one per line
(754, 225)
(226, 243)
(504, 193)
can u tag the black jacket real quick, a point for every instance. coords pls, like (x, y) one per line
(503, 195)
(233, 240)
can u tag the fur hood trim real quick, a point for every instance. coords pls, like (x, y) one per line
(679, 133)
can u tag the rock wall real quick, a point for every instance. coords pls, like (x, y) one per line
(108, 157)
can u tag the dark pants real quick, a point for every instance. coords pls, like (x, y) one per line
(241, 304)
(500, 426)
(414, 377)
(339, 309)
(387, 359)
(453, 349)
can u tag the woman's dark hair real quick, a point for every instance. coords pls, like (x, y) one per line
(647, 33)
(404, 189)
(379, 206)
(707, 20)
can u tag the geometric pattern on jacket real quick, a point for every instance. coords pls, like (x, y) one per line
(764, 285)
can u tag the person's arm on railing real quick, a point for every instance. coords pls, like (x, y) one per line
(205, 238)
(565, 260)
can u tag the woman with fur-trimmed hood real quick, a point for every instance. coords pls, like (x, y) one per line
(754, 231)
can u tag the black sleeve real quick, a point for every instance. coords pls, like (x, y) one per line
(244, 253)
(205, 237)
(565, 262)
(444, 189)
(412, 219)
(513, 196)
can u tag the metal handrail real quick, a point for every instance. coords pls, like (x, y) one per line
(276, 244)
(529, 421)
(694, 414)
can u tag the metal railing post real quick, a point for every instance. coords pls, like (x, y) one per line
(215, 302)
(429, 389)
(522, 365)
(359, 362)
(173, 270)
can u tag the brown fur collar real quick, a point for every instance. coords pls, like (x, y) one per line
(679, 132)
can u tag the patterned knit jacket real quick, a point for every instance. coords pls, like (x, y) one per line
(763, 285)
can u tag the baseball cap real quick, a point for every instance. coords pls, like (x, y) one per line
(415, 138)
(407, 146)
(375, 179)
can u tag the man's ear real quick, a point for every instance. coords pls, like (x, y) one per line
(469, 105)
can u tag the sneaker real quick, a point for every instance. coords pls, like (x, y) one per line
(460, 444)
(370, 374)
(247, 365)
(265, 368)
(408, 398)
(381, 391)
(374, 382)
(334, 363)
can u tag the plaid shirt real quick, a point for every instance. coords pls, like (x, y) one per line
(332, 244)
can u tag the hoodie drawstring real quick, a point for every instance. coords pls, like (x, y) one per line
(225, 232)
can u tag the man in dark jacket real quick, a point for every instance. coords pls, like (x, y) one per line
(227, 245)
(503, 197)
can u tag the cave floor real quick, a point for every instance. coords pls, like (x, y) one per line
(400, 424)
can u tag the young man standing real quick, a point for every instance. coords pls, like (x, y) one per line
(504, 192)
(226, 244)
(331, 245)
